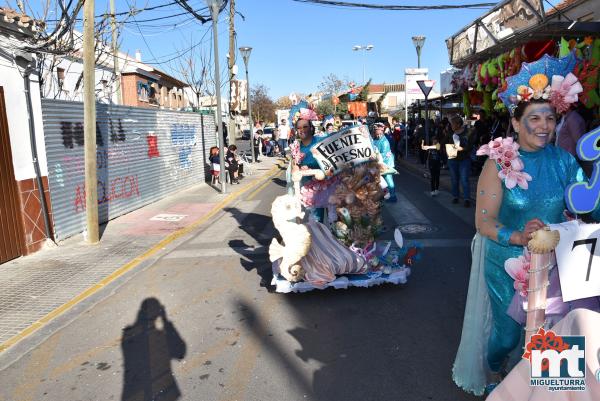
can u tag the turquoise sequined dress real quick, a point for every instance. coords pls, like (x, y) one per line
(552, 170)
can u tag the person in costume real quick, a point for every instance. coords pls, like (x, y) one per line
(383, 146)
(520, 190)
(302, 156)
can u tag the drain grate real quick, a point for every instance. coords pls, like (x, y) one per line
(417, 228)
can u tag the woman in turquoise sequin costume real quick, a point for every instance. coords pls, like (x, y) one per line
(505, 219)
(383, 146)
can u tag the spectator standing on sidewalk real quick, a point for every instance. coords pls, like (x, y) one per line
(233, 166)
(284, 133)
(398, 134)
(215, 166)
(434, 160)
(420, 136)
(257, 138)
(458, 148)
(256, 142)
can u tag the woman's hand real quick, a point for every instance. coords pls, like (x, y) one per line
(530, 227)
(303, 167)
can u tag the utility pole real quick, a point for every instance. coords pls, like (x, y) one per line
(115, 50)
(232, 133)
(89, 123)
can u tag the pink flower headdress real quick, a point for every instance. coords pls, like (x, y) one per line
(505, 151)
(547, 78)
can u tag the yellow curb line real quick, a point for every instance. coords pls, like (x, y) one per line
(136, 261)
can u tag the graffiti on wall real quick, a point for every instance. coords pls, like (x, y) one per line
(183, 137)
(116, 188)
(152, 145)
(72, 134)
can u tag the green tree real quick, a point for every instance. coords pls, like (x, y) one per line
(325, 107)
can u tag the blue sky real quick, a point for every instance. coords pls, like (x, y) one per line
(296, 44)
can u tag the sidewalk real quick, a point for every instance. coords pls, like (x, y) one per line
(413, 164)
(39, 287)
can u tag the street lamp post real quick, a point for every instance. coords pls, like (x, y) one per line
(213, 6)
(245, 50)
(366, 48)
(418, 41)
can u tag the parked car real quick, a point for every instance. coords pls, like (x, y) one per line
(268, 132)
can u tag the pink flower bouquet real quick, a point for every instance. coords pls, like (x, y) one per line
(518, 269)
(505, 151)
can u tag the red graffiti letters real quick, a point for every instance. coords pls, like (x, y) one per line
(118, 188)
(152, 146)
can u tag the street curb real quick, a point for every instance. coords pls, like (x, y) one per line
(34, 327)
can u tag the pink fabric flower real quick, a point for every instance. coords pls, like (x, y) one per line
(505, 151)
(565, 91)
(295, 152)
(508, 153)
(513, 178)
(518, 270)
(517, 164)
(308, 114)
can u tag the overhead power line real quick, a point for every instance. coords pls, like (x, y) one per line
(388, 7)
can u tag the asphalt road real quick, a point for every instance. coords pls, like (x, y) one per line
(201, 323)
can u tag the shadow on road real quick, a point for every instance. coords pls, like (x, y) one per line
(279, 181)
(148, 347)
(260, 227)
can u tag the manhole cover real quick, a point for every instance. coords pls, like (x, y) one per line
(417, 228)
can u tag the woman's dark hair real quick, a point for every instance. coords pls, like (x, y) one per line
(232, 147)
(518, 113)
(259, 131)
(328, 125)
(456, 119)
(214, 151)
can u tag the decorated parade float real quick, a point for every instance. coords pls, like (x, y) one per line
(347, 191)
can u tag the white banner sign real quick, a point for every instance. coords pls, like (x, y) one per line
(352, 146)
(578, 259)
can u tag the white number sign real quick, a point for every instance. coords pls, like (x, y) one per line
(578, 259)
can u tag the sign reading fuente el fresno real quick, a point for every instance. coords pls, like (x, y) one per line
(351, 146)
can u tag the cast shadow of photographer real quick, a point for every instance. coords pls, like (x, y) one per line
(148, 347)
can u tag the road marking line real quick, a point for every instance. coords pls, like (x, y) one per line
(226, 225)
(257, 190)
(197, 253)
(136, 261)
